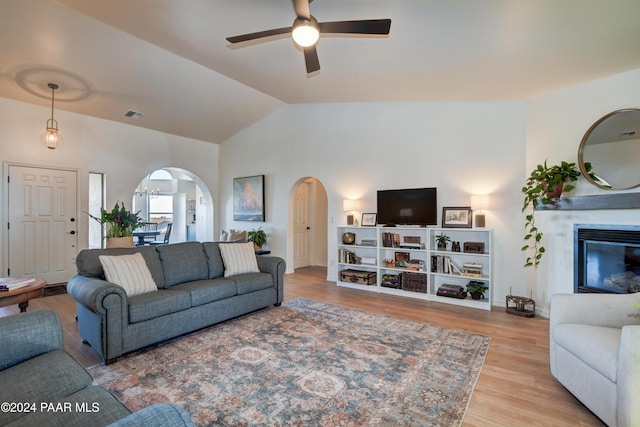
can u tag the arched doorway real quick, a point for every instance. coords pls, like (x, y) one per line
(176, 196)
(307, 227)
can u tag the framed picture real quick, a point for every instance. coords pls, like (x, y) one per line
(457, 217)
(369, 219)
(403, 256)
(248, 198)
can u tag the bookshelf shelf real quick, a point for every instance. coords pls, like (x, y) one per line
(427, 267)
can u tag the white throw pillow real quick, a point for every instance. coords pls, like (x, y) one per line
(238, 258)
(130, 272)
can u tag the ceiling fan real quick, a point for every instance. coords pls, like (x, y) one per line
(306, 30)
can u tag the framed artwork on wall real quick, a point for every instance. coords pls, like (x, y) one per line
(457, 217)
(248, 198)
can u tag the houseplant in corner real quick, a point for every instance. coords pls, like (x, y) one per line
(258, 237)
(119, 223)
(544, 187)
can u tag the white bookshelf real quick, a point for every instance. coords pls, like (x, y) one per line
(418, 244)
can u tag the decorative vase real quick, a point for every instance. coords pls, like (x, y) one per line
(120, 242)
(555, 191)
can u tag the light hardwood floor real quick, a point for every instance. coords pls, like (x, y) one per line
(515, 388)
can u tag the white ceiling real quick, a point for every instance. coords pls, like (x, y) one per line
(169, 59)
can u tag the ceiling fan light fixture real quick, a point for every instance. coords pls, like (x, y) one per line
(52, 137)
(306, 32)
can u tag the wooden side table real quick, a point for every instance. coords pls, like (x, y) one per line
(21, 296)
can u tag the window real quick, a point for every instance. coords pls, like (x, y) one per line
(161, 210)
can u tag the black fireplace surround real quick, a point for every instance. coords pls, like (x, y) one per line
(606, 258)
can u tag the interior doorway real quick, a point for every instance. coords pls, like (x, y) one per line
(307, 224)
(178, 197)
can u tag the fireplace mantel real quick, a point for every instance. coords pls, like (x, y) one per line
(603, 201)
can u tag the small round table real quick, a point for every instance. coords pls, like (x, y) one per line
(21, 296)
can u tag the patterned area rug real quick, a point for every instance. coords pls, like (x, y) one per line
(307, 363)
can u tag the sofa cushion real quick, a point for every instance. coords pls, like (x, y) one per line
(251, 282)
(45, 378)
(597, 346)
(183, 262)
(88, 261)
(214, 259)
(130, 272)
(155, 304)
(206, 291)
(238, 258)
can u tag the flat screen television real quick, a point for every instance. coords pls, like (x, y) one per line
(411, 206)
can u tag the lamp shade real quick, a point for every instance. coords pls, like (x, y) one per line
(479, 202)
(349, 205)
(305, 32)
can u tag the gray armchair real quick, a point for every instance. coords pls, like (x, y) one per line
(35, 369)
(594, 349)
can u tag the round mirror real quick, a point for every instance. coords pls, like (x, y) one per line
(612, 147)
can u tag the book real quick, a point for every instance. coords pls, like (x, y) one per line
(11, 283)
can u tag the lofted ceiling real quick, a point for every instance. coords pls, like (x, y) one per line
(169, 59)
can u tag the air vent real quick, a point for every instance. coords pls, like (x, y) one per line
(134, 114)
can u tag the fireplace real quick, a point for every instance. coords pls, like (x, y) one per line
(606, 258)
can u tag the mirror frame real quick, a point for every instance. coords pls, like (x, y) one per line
(583, 142)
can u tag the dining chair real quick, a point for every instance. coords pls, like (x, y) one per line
(167, 235)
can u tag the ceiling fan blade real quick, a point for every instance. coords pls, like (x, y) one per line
(367, 26)
(258, 35)
(311, 59)
(302, 8)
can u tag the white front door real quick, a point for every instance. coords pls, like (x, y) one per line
(42, 223)
(301, 226)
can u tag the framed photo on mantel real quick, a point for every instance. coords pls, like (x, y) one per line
(457, 217)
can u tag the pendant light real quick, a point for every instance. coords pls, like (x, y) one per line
(52, 138)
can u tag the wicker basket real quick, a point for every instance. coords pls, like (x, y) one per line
(414, 282)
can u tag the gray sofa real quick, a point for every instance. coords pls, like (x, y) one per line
(594, 349)
(44, 385)
(192, 293)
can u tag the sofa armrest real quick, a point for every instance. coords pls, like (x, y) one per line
(161, 414)
(610, 310)
(90, 291)
(628, 376)
(27, 335)
(275, 266)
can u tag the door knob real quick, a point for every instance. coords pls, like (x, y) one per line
(72, 232)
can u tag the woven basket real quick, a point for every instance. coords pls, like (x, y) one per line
(120, 242)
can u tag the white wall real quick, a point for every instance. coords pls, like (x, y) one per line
(126, 154)
(356, 149)
(556, 124)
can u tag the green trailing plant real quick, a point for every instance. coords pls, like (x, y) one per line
(442, 240)
(476, 286)
(257, 236)
(544, 187)
(119, 222)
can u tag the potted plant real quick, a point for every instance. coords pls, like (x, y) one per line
(544, 187)
(119, 224)
(441, 241)
(389, 262)
(258, 237)
(476, 289)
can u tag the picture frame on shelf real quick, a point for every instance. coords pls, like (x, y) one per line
(402, 256)
(457, 217)
(369, 219)
(248, 198)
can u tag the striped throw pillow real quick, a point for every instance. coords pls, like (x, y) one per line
(130, 272)
(238, 258)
